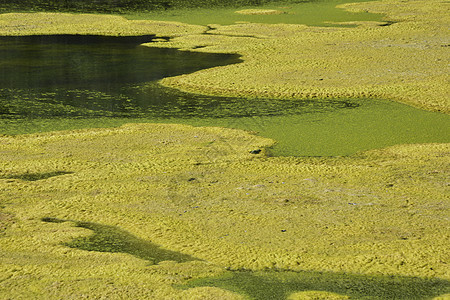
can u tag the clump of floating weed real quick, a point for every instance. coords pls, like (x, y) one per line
(260, 12)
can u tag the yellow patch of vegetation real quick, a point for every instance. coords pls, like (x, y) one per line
(64, 23)
(316, 295)
(198, 191)
(260, 12)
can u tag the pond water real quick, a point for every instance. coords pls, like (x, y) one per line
(67, 82)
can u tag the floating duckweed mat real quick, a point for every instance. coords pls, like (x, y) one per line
(312, 13)
(207, 193)
(202, 193)
(123, 6)
(315, 12)
(294, 61)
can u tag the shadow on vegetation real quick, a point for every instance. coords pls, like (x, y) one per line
(268, 284)
(112, 239)
(280, 284)
(34, 176)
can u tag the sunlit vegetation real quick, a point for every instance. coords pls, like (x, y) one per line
(161, 211)
(201, 193)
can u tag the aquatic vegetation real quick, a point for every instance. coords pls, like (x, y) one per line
(324, 285)
(372, 224)
(72, 81)
(122, 6)
(13, 24)
(200, 192)
(312, 13)
(259, 12)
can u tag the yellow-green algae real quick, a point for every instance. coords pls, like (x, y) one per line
(199, 192)
(316, 295)
(256, 11)
(65, 23)
(284, 284)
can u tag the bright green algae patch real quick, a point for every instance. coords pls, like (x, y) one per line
(301, 128)
(313, 13)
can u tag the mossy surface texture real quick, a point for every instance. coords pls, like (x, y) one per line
(165, 211)
(146, 191)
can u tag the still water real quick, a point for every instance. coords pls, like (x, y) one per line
(67, 82)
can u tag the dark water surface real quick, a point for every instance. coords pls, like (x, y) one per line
(66, 82)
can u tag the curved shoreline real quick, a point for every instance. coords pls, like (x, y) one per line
(405, 61)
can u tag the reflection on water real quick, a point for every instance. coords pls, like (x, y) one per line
(88, 75)
(68, 82)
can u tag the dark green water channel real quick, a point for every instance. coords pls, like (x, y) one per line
(67, 82)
